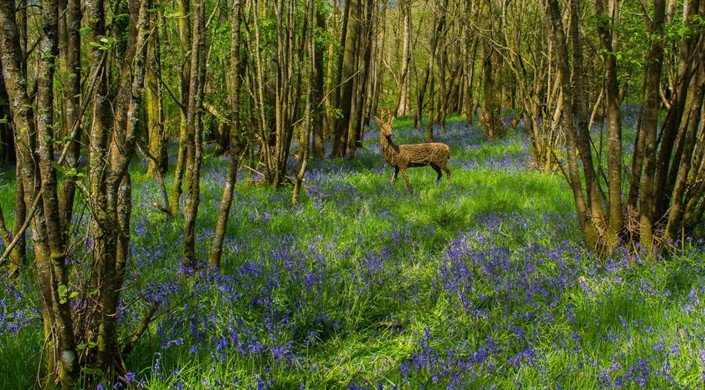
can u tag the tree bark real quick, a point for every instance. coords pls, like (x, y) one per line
(646, 159)
(403, 108)
(614, 125)
(39, 180)
(194, 125)
(156, 133)
(72, 117)
(184, 77)
(319, 118)
(590, 233)
(216, 252)
(491, 83)
(344, 84)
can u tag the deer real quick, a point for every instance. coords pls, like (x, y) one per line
(434, 154)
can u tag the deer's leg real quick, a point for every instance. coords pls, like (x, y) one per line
(445, 169)
(438, 171)
(394, 175)
(406, 179)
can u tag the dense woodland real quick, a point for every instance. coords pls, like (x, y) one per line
(90, 87)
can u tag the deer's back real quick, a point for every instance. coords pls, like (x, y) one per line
(424, 154)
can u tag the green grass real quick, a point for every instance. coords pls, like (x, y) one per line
(478, 284)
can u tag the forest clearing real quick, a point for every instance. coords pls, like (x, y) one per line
(204, 194)
(483, 283)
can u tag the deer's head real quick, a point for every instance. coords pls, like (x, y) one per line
(385, 125)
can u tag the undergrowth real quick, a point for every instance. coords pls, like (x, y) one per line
(480, 284)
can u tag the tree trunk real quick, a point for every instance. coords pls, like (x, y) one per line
(645, 158)
(344, 82)
(403, 107)
(72, 117)
(194, 126)
(318, 125)
(216, 252)
(308, 120)
(35, 168)
(363, 48)
(185, 43)
(7, 138)
(590, 234)
(614, 127)
(112, 146)
(156, 133)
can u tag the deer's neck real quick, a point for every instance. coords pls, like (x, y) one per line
(388, 146)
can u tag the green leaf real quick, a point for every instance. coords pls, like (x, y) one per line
(63, 293)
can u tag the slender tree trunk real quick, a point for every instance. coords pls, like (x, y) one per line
(308, 120)
(405, 84)
(594, 197)
(590, 234)
(318, 125)
(157, 136)
(364, 48)
(72, 120)
(35, 168)
(113, 138)
(677, 211)
(648, 130)
(614, 127)
(216, 252)
(343, 84)
(49, 246)
(194, 124)
(185, 42)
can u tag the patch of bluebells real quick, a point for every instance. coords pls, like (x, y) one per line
(15, 314)
(511, 292)
(516, 297)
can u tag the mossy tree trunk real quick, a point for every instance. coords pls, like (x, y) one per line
(36, 170)
(194, 134)
(156, 132)
(236, 140)
(184, 77)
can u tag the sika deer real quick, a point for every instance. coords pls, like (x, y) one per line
(435, 154)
